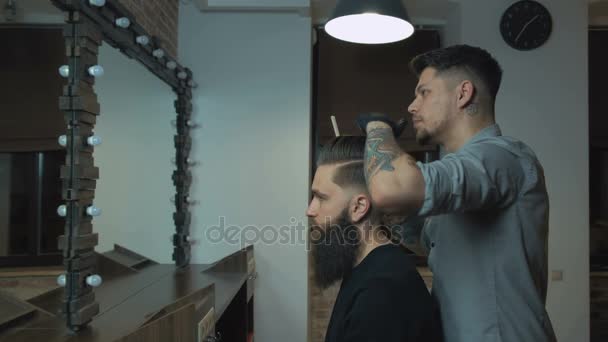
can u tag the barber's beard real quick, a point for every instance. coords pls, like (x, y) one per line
(335, 250)
(423, 137)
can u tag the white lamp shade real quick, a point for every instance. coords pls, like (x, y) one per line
(370, 21)
(369, 28)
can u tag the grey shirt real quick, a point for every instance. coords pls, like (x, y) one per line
(486, 234)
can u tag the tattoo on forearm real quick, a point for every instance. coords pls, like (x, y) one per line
(380, 151)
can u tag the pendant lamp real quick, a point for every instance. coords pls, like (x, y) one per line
(370, 21)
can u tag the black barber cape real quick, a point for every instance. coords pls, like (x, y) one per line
(384, 299)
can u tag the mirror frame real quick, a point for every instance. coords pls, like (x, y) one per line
(86, 27)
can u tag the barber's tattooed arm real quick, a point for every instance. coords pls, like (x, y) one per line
(393, 178)
(380, 151)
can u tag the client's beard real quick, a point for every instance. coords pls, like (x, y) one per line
(335, 250)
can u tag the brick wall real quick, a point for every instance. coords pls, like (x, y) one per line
(159, 18)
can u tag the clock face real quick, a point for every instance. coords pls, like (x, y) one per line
(526, 25)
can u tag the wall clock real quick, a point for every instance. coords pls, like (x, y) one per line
(526, 25)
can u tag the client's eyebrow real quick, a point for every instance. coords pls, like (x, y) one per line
(319, 194)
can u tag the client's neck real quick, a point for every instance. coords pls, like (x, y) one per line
(370, 240)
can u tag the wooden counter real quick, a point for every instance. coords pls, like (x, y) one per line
(157, 303)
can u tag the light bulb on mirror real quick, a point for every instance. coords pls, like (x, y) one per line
(93, 210)
(123, 22)
(158, 53)
(94, 280)
(63, 140)
(62, 210)
(182, 75)
(171, 65)
(97, 3)
(64, 71)
(96, 70)
(189, 123)
(94, 140)
(142, 40)
(61, 280)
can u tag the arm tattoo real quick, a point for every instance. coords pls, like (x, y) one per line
(380, 151)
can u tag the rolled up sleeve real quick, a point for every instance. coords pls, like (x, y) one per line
(476, 177)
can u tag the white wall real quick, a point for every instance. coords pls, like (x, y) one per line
(134, 159)
(544, 102)
(254, 104)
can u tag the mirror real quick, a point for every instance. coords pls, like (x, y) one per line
(64, 196)
(135, 158)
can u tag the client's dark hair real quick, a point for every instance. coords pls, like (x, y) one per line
(347, 153)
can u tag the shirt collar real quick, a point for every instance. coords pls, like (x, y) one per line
(490, 131)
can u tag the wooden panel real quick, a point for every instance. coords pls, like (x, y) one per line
(29, 87)
(321, 305)
(200, 298)
(599, 306)
(598, 73)
(129, 301)
(177, 326)
(12, 309)
(232, 326)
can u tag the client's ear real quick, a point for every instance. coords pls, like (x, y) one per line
(359, 206)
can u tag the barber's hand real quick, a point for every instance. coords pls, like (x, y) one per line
(363, 119)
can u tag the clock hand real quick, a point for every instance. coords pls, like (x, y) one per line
(525, 26)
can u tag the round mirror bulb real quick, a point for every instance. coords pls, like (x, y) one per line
(96, 70)
(64, 71)
(61, 280)
(93, 211)
(142, 40)
(94, 140)
(123, 22)
(97, 3)
(63, 140)
(94, 280)
(158, 53)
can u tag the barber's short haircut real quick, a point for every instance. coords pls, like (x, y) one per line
(472, 61)
(347, 153)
